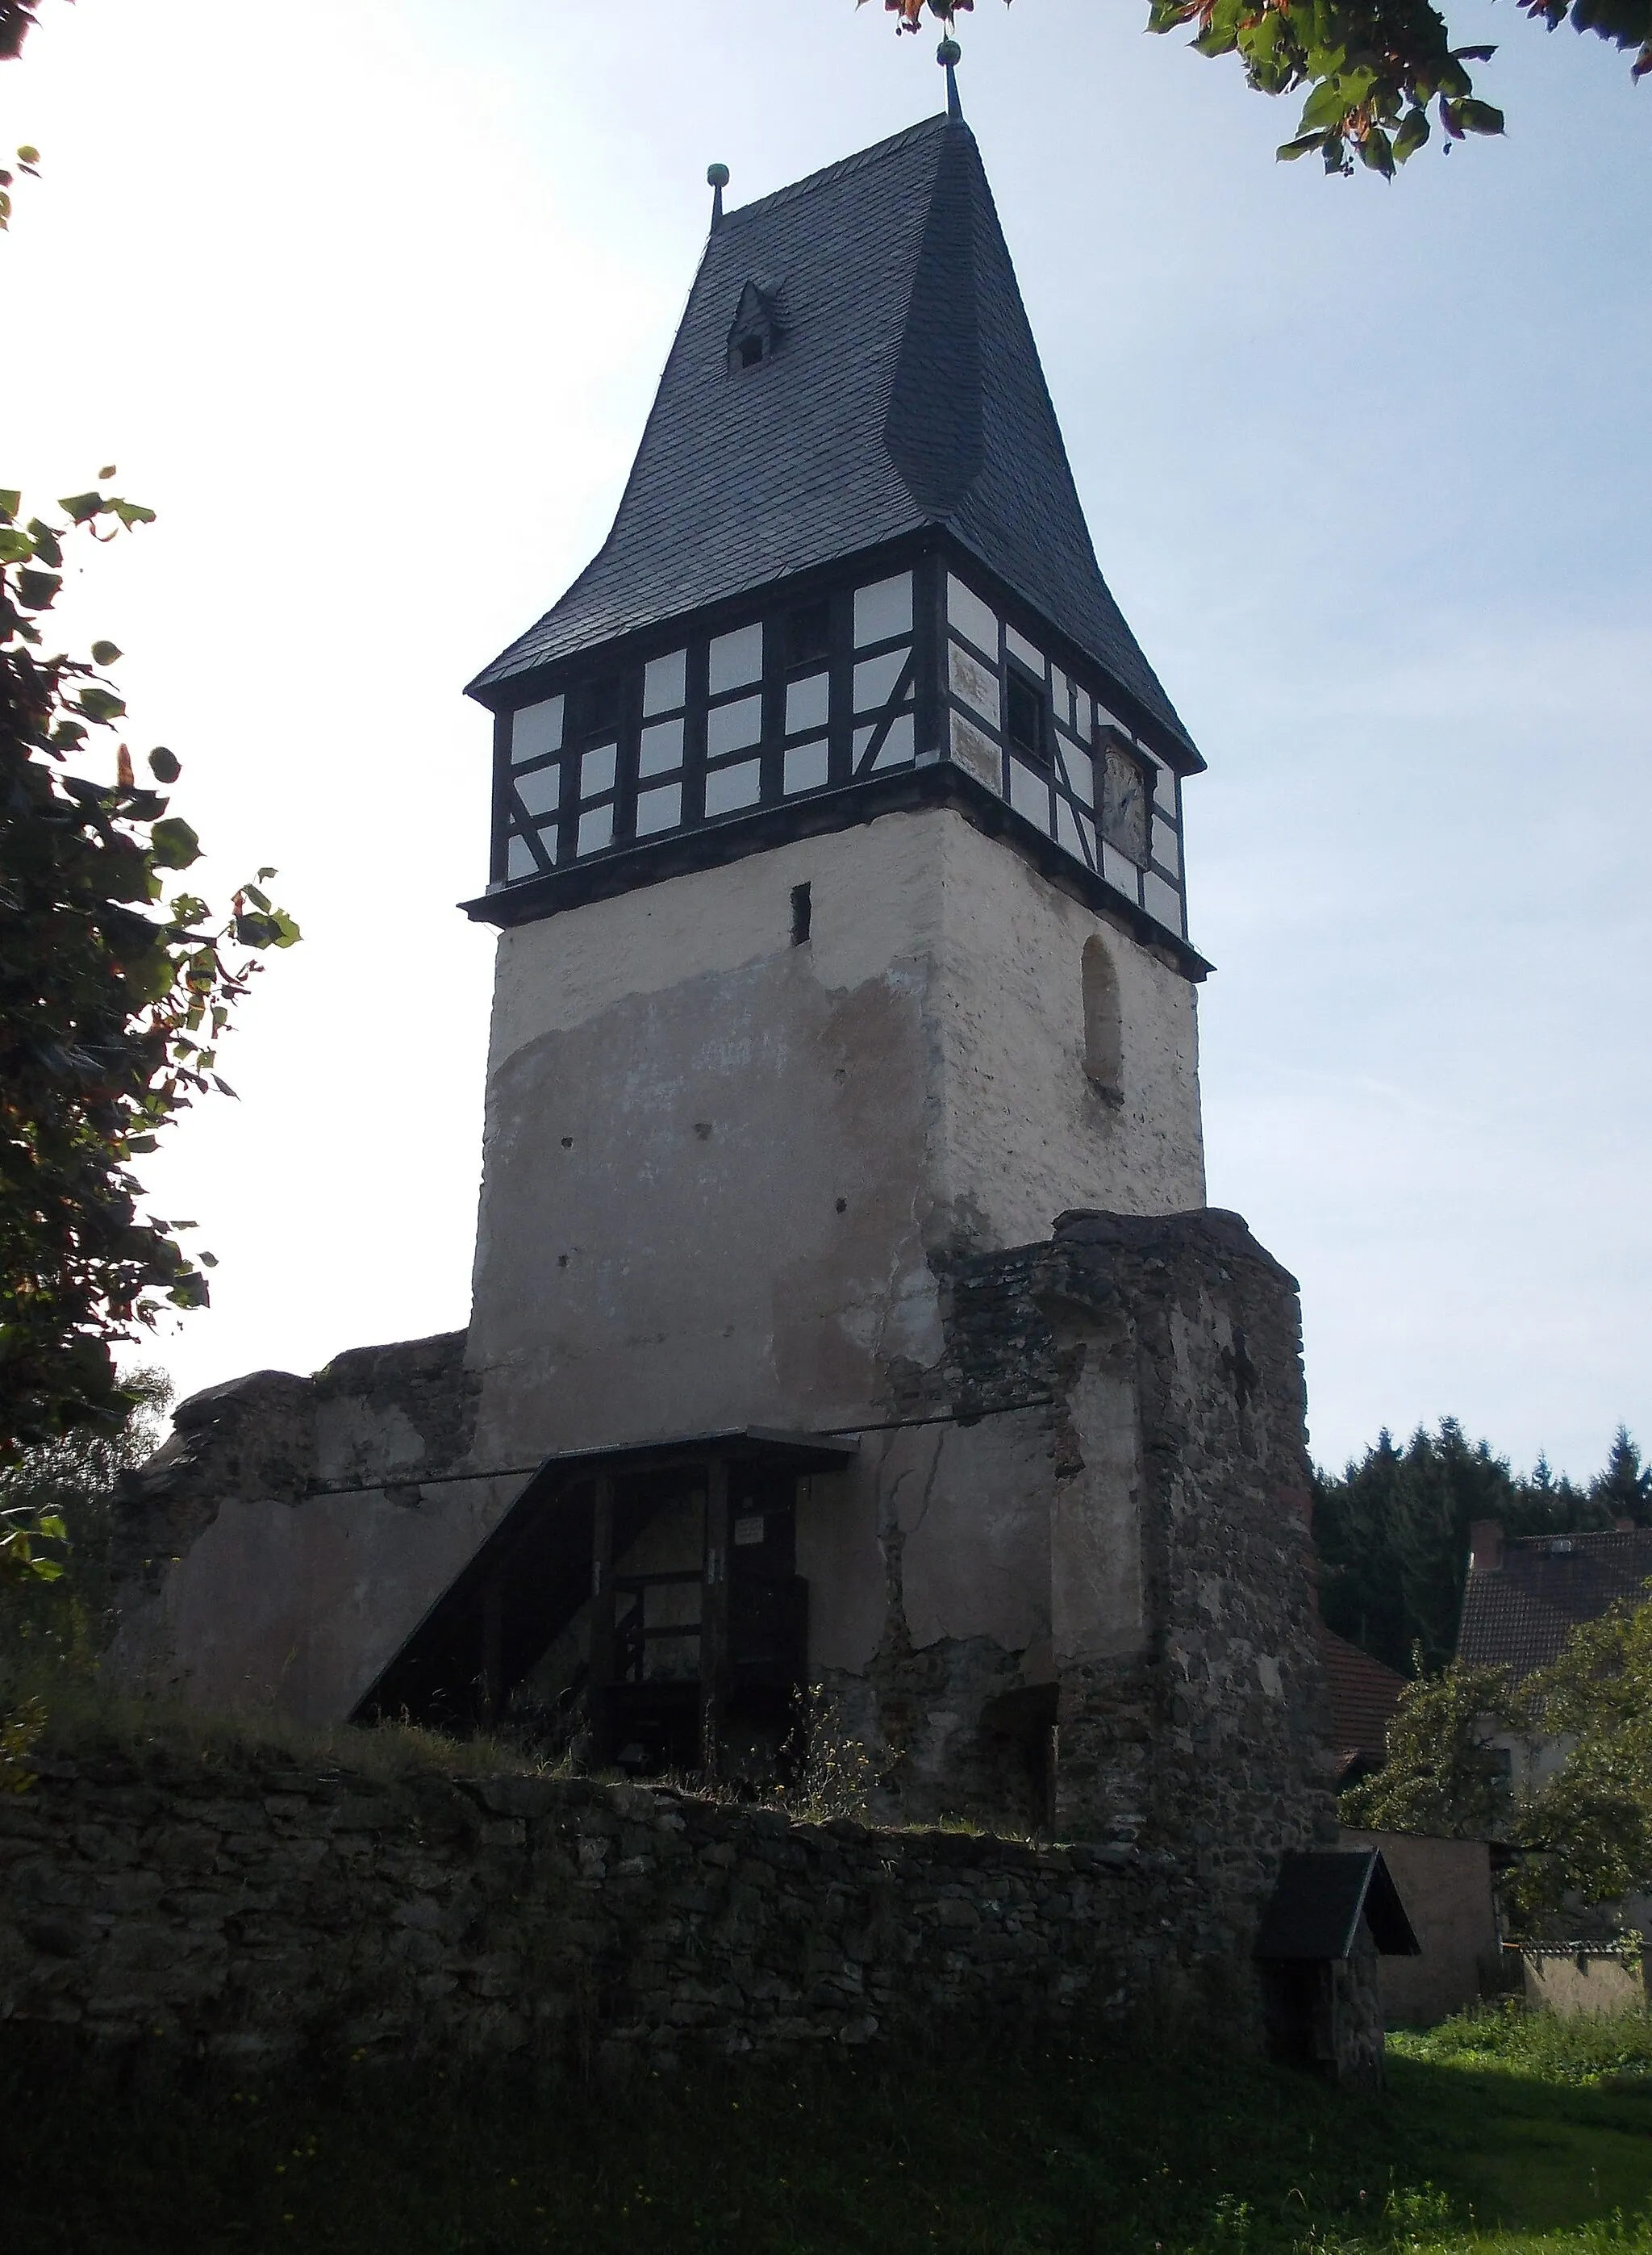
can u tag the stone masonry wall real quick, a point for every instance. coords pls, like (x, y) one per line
(1190, 1703)
(245, 1911)
(1196, 1726)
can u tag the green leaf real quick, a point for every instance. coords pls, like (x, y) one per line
(1479, 117)
(101, 705)
(105, 653)
(38, 590)
(163, 764)
(1292, 150)
(173, 845)
(1377, 152)
(10, 502)
(82, 506)
(1412, 135)
(1327, 105)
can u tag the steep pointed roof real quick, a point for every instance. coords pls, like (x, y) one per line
(905, 390)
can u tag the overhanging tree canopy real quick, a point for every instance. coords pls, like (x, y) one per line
(112, 1003)
(1372, 69)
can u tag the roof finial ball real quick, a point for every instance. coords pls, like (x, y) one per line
(716, 178)
(949, 54)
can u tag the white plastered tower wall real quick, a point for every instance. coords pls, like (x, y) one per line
(716, 1162)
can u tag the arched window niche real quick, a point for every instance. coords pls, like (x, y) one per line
(1103, 1023)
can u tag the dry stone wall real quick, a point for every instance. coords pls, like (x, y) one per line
(248, 1912)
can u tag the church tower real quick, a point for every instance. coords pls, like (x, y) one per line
(847, 1316)
(837, 850)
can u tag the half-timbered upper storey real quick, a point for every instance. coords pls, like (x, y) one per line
(850, 572)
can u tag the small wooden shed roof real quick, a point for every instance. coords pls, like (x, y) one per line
(1320, 1898)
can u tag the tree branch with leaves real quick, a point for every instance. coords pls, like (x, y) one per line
(1583, 1814)
(113, 1002)
(1372, 69)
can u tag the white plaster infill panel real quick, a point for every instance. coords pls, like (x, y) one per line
(1097, 1602)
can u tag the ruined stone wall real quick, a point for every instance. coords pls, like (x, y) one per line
(1064, 1588)
(1152, 1366)
(1191, 1699)
(240, 1582)
(248, 1908)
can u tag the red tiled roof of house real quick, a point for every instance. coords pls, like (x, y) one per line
(1362, 1696)
(1518, 1614)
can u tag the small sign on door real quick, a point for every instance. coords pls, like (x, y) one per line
(748, 1530)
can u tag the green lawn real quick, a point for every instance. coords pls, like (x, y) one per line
(1485, 2143)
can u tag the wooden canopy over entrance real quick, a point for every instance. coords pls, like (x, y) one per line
(560, 1546)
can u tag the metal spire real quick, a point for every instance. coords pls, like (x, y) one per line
(716, 178)
(949, 54)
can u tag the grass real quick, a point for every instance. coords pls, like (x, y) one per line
(1491, 2141)
(84, 1717)
(1556, 2117)
(84, 1721)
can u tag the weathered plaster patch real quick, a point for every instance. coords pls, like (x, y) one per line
(1026, 1139)
(353, 1434)
(1096, 1598)
(839, 1556)
(875, 897)
(973, 1503)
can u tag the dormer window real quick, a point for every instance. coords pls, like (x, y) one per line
(755, 333)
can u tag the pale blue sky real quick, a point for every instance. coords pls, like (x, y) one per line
(387, 287)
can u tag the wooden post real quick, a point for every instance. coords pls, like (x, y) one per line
(602, 1612)
(492, 1649)
(714, 1612)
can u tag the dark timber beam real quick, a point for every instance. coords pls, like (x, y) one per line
(602, 1613)
(714, 1612)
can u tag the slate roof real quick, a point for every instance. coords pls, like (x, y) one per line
(905, 391)
(1363, 1695)
(1319, 1901)
(1519, 1614)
